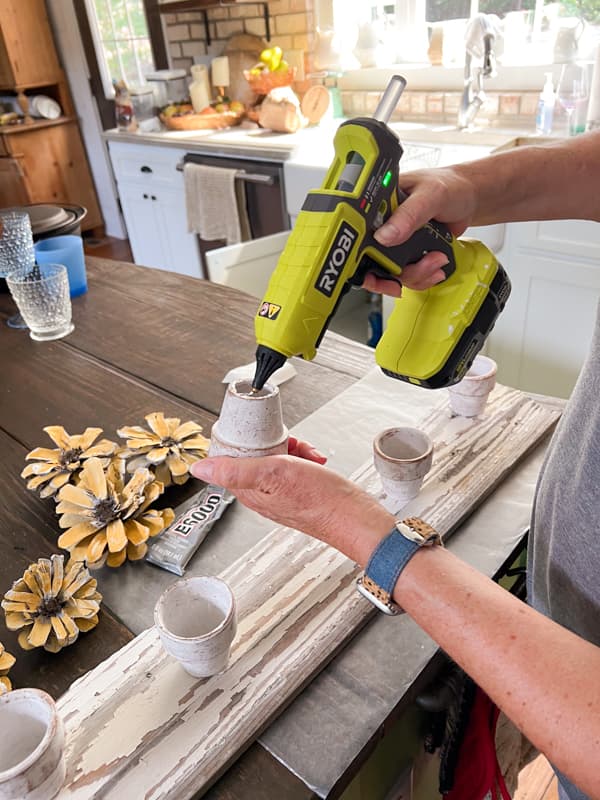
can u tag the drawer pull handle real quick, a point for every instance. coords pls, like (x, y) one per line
(242, 175)
(145, 196)
(145, 169)
(154, 197)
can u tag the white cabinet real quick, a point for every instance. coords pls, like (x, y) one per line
(542, 337)
(152, 197)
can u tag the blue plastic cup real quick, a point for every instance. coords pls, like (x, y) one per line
(67, 250)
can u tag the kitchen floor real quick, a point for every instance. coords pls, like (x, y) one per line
(537, 782)
(108, 247)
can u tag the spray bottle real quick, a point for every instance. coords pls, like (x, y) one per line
(545, 112)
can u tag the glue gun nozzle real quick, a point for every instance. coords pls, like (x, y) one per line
(267, 362)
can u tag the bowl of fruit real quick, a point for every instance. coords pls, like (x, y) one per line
(223, 113)
(271, 72)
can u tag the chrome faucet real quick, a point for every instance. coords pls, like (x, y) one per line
(480, 63)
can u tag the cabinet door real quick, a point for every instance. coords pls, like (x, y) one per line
(180, 248)
(27, 53)
(55, 167)
(542, 337)
(144, 234)
(156, 224)
(12, 185)
(247, 266)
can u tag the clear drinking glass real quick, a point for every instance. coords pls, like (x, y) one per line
(572, 94)
(42, 297)
(16, 250)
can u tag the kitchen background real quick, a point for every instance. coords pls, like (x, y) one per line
(132, 182)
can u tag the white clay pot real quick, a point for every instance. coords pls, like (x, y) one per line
(196, 619)
(402, 457)
(250, 424)
(32, 765)
(468, 398)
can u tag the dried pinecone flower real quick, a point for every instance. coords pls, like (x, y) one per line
(169, 448)
(109, 520)
(6, 662)
(54, 468)
(52, 604)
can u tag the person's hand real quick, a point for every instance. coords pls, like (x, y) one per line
(440, 194)
(304, 495)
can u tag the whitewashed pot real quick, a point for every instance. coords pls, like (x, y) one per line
(32, 765)
(402, 457)
(196, 619)
(250, 424)
(468, 398)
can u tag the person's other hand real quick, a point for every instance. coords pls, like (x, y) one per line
(304, 495)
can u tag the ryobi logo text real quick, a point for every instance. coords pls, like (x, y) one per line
(336, 259)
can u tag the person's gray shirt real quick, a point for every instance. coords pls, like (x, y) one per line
(564, 545)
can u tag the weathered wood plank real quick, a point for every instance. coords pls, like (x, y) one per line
(139, 724)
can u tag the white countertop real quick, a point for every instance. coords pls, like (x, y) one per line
(313, 146)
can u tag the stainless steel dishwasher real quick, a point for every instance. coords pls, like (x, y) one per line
(264, 194)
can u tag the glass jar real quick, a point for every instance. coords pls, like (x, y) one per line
(142, 100)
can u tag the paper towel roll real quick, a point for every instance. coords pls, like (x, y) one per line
(593, 112)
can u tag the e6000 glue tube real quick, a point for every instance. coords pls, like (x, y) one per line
(174, 547)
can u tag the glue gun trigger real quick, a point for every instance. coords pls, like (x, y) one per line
(380, 272)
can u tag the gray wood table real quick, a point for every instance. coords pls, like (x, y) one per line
(147, 340)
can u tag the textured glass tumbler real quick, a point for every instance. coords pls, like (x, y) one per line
(42, 296)
(16, 250)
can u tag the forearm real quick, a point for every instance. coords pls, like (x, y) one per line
(541, 675)
(555, 181)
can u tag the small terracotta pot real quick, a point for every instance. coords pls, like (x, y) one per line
(32, 765)
(468, 398)
(196, 619)
(402, 457)
(250, 424)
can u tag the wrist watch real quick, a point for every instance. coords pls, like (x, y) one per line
(390, 557)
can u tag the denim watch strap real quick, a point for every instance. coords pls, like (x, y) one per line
(390, 557)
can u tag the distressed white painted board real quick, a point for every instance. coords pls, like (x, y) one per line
(139, 726)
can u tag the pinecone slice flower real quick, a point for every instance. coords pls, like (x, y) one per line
(51, 469)
(50, 605)
(108, 520)
(6, 662)
(169, 447)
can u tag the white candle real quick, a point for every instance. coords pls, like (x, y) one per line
(220, 71)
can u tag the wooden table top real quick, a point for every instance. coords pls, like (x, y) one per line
(144, 340)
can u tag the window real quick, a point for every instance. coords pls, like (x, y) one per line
(526, 30)
(122, 42)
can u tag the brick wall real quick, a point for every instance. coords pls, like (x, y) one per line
(501, 109)
(291, 21)
(293, 28)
